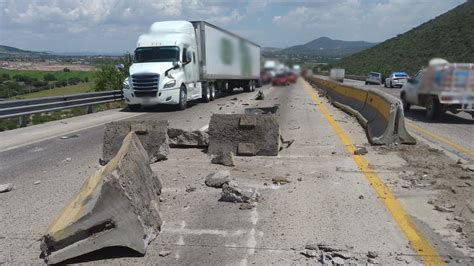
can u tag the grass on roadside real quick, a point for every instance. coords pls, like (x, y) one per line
(68, 90)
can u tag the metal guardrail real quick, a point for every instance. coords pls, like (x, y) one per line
(20, 108)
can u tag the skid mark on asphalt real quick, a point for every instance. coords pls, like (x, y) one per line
(418, 242)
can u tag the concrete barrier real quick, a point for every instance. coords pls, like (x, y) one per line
(379, 113)
(243, 134)
(116, 206)
(152, 134)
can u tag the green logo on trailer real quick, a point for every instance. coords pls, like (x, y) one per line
(227, 51)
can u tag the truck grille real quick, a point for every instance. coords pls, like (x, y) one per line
(145, 85)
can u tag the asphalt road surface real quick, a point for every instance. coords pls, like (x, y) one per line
(330, 199)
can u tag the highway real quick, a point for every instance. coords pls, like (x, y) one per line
(331, 199)
(451, 132)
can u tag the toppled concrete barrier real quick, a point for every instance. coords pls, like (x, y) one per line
(179, 138)
(218, 179)
(152, 134)
(244, 134)
(116, 206)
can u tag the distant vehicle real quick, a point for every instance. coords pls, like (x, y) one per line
(292, 77)
(441, 87)
(297, 69)
(265, 77)
(280, 79)
(396, 79)
(374, 78)
(337, 74)
(179, 61)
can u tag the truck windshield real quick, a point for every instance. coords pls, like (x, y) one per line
(157, 54)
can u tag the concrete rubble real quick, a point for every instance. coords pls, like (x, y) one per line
(152, 134)
(223, 157)
(218, 179)
(328, 255)
(260, 96)
(360, 150)
(116, 206)
(243, 134)
(6, 187)
(179, 138)
(232, 193)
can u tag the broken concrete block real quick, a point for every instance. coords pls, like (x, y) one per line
(225, 158)
(116, 206)
(152, 134)
(246, 149)
(232, 193)
(179, 138)
(218, 179)
(6, 187)
(226, 132)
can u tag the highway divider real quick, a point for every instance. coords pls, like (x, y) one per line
(380, 114)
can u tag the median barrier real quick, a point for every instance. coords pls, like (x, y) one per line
(116, 206)
(243, 134)
(379, 113)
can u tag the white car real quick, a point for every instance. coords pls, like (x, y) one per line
(396, 79)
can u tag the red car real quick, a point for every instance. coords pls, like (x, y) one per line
(292, 77)
(280, 79)
(265, 77)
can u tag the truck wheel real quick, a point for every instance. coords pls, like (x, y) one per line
(252, 85)
(134, 107)
(247, 87)
(212, 86)
(405, 103)
(183, 98)
(433, 108)
(206, 93)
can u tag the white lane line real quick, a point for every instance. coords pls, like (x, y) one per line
(204, 128)
(186, 231)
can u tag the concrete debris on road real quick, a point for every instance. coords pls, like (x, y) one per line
(232, 193)
(116, 206)
(179, 138)
(164, 253)
(285, 144)
(361, 151)
(280, 180)
(218, 179)
(6, 187)
(372, 254)
(69, 137)
(444, 208)
(328, 255)
(260, 96)
(247, 205)
(229, 132)
(225, 158)
(37, 182)
(190, 188)
(67, 160)
(274, 110)
(152, 134)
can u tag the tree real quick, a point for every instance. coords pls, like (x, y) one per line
(66, 69)
(49, 77)
(111, 77)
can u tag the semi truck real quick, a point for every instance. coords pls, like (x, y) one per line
(441, 87)
(337, 74)
(180, 61)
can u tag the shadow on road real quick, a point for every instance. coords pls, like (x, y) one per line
(419, 115)
(102, 254)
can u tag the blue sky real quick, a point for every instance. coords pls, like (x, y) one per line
(114, 25)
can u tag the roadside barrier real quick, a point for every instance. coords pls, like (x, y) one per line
(380, 114)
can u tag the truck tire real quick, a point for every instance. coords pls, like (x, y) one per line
(134, 107)
(206, 92)
(212, 86)
(247, 86)
(433, 108)
(252, 85)
(183, 98)
(405, 103)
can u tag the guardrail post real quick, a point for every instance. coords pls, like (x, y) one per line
(23, 121)
(89, 109)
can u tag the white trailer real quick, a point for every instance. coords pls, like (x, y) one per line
(179, 61)
(337, 74)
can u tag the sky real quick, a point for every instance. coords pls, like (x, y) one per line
(114, 25)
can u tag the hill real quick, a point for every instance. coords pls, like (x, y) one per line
(449, 36)
(326, 47)
(8, 50)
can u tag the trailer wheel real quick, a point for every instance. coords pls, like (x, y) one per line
(183, 98)
(212, 86)
(206, 92)
(252, 85)
(433, 108)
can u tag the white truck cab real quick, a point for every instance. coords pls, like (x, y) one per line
(172, 64)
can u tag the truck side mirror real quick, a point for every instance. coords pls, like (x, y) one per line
(412, 81)
(176, 64)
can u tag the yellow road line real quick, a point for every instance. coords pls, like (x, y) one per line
(439, 138)
(418, 242)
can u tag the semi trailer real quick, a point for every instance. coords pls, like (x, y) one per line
(180, 61)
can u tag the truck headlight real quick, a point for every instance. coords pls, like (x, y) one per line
(170, 84)
(126, 86)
